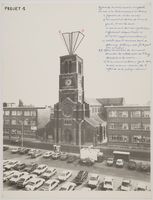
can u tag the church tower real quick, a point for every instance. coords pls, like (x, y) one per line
(69, 112)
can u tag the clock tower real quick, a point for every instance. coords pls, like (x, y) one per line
(69, 112)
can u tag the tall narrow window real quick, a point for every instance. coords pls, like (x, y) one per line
(79, 67)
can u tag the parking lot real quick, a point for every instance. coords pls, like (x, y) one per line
(117, 174)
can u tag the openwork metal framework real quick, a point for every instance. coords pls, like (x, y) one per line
(72, 40)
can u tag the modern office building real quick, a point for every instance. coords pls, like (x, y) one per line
(128, 126)
(20, 119)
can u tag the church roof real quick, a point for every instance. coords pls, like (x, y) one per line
(111, 101)
(95, 120)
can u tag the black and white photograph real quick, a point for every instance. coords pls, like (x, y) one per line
(76, 97)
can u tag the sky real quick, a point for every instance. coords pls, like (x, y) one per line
(32, 46)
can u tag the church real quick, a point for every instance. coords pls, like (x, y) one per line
(78, 121)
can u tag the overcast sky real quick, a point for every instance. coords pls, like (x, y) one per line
(32, 47)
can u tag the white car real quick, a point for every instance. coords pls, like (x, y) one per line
(50, 185)
(69, 186)
(47, 154)
(15, 150)
(48, 173)
(7, 175)
(108, 184)
(119, 163)
(11, 164)
(64, 175)
(93, 180)
(34, 184)
(40, 169)
(126, 185)
(16, 176)
(24, 180)
(5, 162)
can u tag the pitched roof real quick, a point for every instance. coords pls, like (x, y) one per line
(111, 101)
(95, 120)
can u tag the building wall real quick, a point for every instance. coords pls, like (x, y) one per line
(20, 119)
(128, 126)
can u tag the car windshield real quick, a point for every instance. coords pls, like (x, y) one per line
(40, 168)
(10, 163)
(31, 183)
(22, 179)
(108, 182)
(93, 178)
(62, 189)
(48, 171)
(15, 176)
(125, 184)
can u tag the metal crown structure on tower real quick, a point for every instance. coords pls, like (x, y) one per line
(72, 40)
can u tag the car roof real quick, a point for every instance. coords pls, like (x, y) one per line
(50, 168)
(68, 184)
(42, 165)
(94, 175)
(119, 159)
(126, 181)
(52, 180)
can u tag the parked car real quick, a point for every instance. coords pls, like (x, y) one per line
(71, 159)
(100, 157)
(86, 161)
(64, 175)
(48, 173)
(55, 156)
(50, 185)
(31, 151)
(15, 149)
(19, 166)
(81, 177)
(144, 167)
(110, 161)
(7, 175)
(125, 185)
(24, 180)
(24, 151)
(63, 156)
(47, 154)
(141, 187)
(16, 176)
(36, 153)
(31, 167)
(93, 180)
(119, 163)
(34, 184)
(107, 184)
(132, 165)
(11, 164)
(5, 147)
(40, 169)
(69, 186)
(6, 162)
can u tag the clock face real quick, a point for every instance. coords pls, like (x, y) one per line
(68, 82)
(67, 110)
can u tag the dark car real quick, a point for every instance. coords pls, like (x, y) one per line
(23, 151)
(19, 166)
(55, 156)
(36, 154)
(71, 159)
(31, 167)
(5, 148)
(63, 156)
(81, 177)
(86, 161)
(132, 165)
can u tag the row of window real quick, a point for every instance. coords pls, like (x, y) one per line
(26, 122)
(95, 110)
(135, 139)
(132, 114)
(19, 113)
(67, 121)
(125, 126)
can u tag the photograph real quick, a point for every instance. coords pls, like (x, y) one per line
(76, 95)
